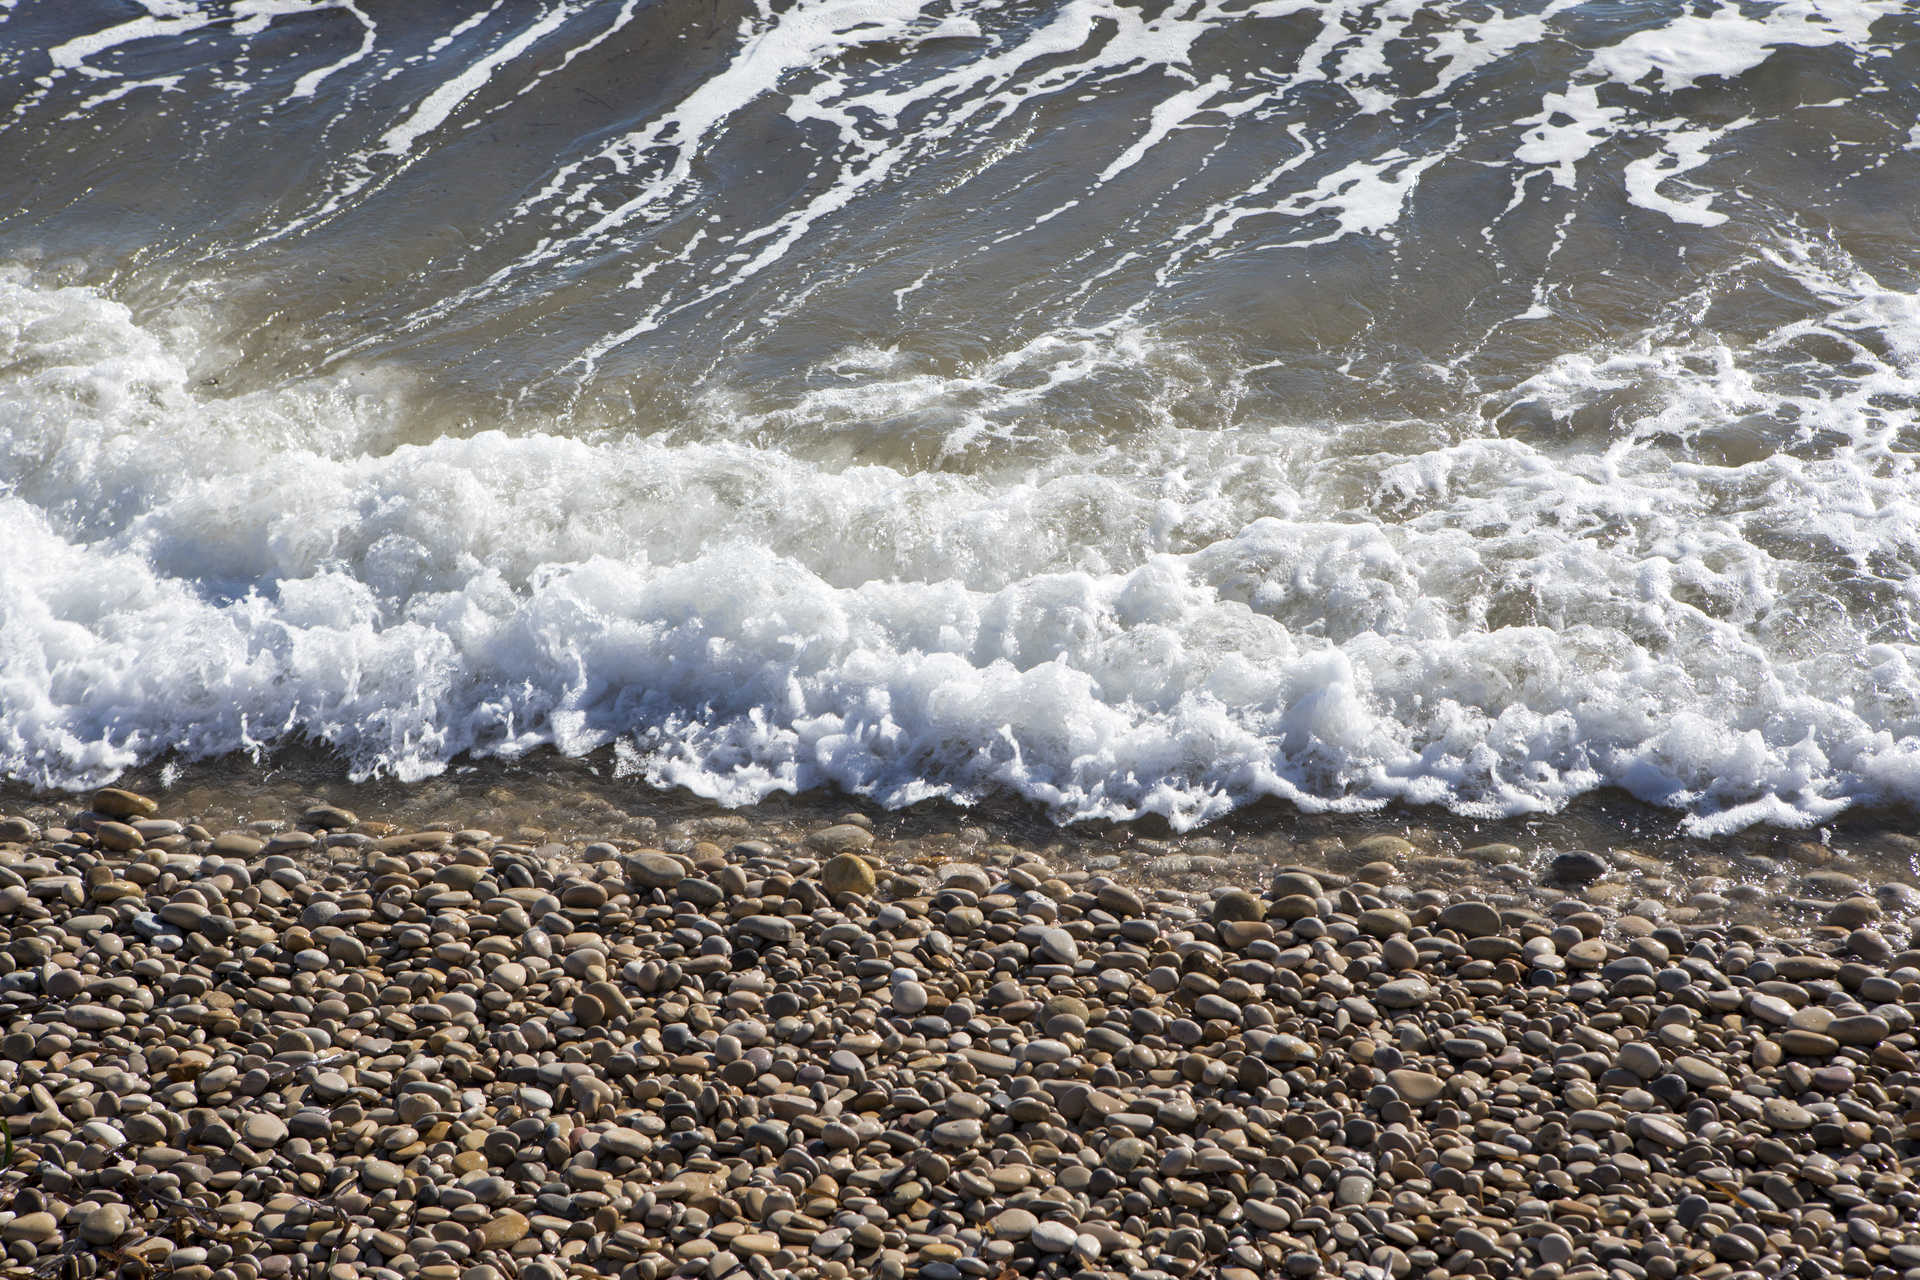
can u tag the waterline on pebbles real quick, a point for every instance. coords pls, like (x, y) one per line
(344, 1049)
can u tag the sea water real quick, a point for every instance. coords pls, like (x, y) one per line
(1120, 408)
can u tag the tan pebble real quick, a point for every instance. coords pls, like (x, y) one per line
(1808, 1044)
(115, 803)
(507, 1228)
(848, 873)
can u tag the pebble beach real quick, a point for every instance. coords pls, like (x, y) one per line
(319, 1044)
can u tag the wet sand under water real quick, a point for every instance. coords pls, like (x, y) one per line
(1790, 878)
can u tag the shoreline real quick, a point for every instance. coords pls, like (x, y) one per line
(333, 1046)
(1762, 874)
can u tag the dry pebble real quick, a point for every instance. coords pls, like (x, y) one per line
(332, 1049)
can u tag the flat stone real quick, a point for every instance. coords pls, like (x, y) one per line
(651, 869)
(37, 1228)
(1574, 868)
(1471, 920)
(1808, 1044)
(263, 1132)
(118, 837)
(116, 803)
(845, 837)
(1013, 1224)
(1404, 993)
(1661, 1130)
(104, 1225)
(1384, 922)
(1860, 1029)
(957, 1133)
(93, 1017)
(1416, 1088)
(1806, 968)
(505, 1229)
(1058, 946)
(1699, 1073)
(756, 1243)
(777, 929)
(1641, 1058)
(1588, 953)
(381, 1175)
(1054, 1237)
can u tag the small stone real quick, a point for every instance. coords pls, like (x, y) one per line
(848, 873)
(1471, 919)
(1404, 993)
(93, 1017)
(1384, 922)
(1013, 1224)
(1058, 946)
(1806, 968)
(1860, 1029)
(328, 817)
(1699, 1073)
(1663, 1131)
(650, 869)
(263, 1132)
(1853, 912)
(845, 837)
(1393, 849)
(104, 1225)
(1641, 1058)
(1575, 868)
(380, 1175)
(1588, 953)
(1054, 1237)
(1416, 1088)
(957, 1134)
(505, 1229)
(1808, 1044)
(776, 929)
(36, 1228)
(115, 803)
(118, 837)
(1237, 904)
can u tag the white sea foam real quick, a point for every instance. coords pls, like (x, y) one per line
(1177, 624)
(1041, 554)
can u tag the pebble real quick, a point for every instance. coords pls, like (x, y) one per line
(1054, 1237)
(105, 1225)
(848, 873)
(752, 1052)
(1417, 1088)
(1404, 993)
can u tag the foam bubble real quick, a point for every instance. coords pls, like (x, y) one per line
(1176, 627)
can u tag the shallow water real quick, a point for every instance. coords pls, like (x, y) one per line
(560, 805)
(1122, 410)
